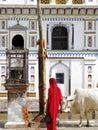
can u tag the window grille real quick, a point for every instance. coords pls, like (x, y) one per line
(60, 78)
(60, 1)
(77, 2)
(45, 1)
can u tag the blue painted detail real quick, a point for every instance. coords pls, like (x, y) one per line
(67, 54)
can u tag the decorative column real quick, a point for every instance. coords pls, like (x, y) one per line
(69, 77)
(72, 36)
(16, 85)
(47, 36)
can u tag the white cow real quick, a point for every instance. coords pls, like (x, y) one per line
(81, 102)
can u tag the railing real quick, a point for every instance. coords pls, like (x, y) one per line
(16, 81)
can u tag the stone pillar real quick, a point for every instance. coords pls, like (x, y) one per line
(72, 36)
(16, 85)
(17, 117)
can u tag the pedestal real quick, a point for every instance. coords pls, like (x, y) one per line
(16, 113)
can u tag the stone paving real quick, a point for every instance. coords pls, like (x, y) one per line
(64, 125)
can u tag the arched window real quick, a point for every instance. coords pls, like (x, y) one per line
(60, 1)
(45, 1)
(77, 2)
(60, 38)
(18, 42)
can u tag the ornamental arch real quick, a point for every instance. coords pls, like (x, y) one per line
(59, 38)
(61, 73)
(17, 42)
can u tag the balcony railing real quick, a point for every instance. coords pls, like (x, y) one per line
(16, 81)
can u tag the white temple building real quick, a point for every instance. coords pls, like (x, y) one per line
(70, 28)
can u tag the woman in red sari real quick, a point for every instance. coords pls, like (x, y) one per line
(54, 101)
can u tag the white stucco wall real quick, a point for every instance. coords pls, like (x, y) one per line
(96, 33)
(96, 72)
(76, 74)
(78, 35)
(89, 2)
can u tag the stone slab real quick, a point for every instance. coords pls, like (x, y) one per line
(15, 125)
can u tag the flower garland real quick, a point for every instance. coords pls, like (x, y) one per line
(43, 42)
(25, 114)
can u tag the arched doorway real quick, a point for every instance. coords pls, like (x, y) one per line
(17, 42)
(59, 38)
(60, 72)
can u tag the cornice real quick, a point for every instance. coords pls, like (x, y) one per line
(62, 54)
(67, 54)
(49, 6)
(50, 10)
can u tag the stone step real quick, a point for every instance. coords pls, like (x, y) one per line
(74, 122)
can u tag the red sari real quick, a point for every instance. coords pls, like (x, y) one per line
(54, 100)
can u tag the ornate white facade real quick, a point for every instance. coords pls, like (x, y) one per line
(32, 2)
(71, 33)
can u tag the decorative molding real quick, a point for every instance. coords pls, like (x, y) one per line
(50, 10)
(61, 54)
(60, 25)
(89, 32)
(3, 94)
(18, 18)
(61, 19)
(67, 54)
(31, 94)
